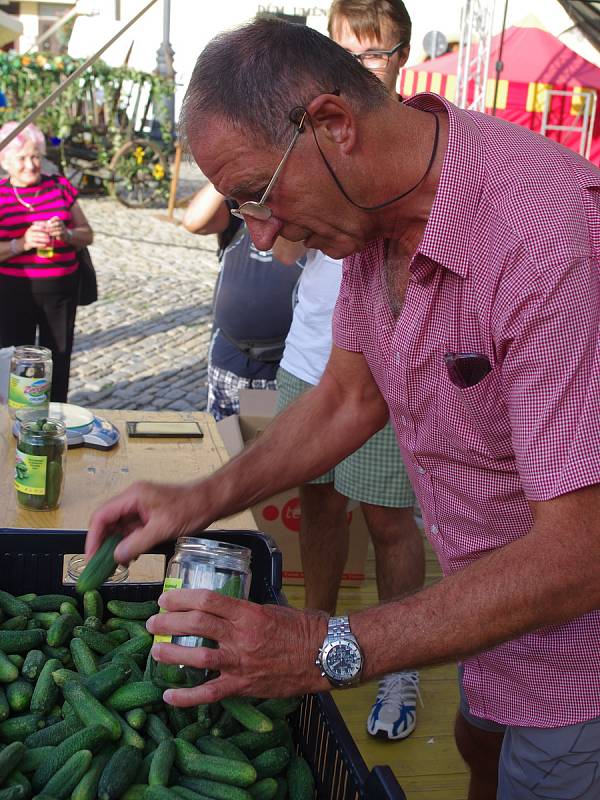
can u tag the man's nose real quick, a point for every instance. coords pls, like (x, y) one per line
(264, 232)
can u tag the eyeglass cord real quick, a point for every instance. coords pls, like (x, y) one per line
(387, 202)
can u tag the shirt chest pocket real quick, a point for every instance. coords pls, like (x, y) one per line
(476, 417)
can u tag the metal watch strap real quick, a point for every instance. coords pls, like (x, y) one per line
(339, 628)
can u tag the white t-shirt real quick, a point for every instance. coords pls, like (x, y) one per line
(308, 343)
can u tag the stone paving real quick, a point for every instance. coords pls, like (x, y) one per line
(144, 343)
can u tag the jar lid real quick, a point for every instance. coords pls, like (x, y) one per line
(229, 556)
(32, 353)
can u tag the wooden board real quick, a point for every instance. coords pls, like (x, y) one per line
(94, 476)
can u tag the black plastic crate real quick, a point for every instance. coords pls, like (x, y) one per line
(31, 560)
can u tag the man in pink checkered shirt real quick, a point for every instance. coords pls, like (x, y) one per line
(469, 313)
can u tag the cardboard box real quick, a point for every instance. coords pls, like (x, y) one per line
(279, 516)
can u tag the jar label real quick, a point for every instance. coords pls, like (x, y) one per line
(28, 392)
(170, 583)
(30, 473)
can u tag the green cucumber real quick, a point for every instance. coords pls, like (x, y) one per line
(17, 729)
(163, 759)
(105, 682)
(179, 718)
(87, 787)
(132, 626)
(10, 759)
(54, 479)
(94, 623)
(192, 731)
(225, 726)
(4, 707)
(214, 790)
(35, 757)
(93, 604)
(45, 619)
(129, 735)
(17, 660)
(62, 783)
(301, 783)
(9, 672)
(136, 718)
(100, 567)
(120, 773)
(279, 707)
(61, 629)
(247, 715)
(126, 609)
(15, 624)
(188, 794)
(271, 762)
(213, 746)
(156, 729)
(21, 641)
(50, 602)
(61, 675)
(55, 734)
(194, 764)
(32, 666)
(137, 791)
(264, 789)
(254, 743)
(140, 645)
(99, 642)
(13, 606)
(18, 694)
(46, 692)
(69, 608)
(133, 695)
(89, 710)
(83, 658)
(13, 793)
(62, 653)
(92, 739)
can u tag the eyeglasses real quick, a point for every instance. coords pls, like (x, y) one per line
(377, 59)
(259, 210)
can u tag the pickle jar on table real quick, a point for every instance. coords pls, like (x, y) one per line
(40, 463)
(200, 564)
(30, 380)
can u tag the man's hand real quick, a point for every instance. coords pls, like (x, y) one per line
(264, 650)
(36, 236)
(146, 514)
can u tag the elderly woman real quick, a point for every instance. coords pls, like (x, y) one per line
(41, 229)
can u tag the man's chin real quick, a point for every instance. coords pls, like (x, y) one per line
(331, 249)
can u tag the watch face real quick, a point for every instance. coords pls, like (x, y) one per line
(343, 662)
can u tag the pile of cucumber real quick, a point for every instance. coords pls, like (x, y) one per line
(80, 719)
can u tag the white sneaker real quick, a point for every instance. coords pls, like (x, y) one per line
(394, 713)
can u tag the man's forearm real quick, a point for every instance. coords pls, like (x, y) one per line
(545, 578)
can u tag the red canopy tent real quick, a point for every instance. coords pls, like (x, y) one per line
(534, 61)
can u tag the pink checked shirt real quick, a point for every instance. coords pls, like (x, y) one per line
(509, 267)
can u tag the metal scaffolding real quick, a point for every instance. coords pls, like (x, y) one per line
(476, 20)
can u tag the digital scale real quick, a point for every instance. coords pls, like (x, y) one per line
(83, 428)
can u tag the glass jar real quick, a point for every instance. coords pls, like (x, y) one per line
(200, 564)
(40, 463)
(30, 380)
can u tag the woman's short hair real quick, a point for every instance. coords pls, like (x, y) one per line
(367, 18)
(253, 77)
(29, 134)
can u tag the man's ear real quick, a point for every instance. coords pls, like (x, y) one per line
(404, 54)
(333, 120)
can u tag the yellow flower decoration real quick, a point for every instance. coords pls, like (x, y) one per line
(40, 60)
(59, 64)
(26, 61)
(139, 154)
(158, 171)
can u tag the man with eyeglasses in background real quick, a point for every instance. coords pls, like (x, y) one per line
(469, 312)
(376, 33)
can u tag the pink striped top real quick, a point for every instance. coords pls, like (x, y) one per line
(508, 267)
(53, 196)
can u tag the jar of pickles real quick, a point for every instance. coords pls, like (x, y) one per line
(30, 380)
(40, 462)
(200, 564)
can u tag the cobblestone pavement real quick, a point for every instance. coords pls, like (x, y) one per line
(144, 343)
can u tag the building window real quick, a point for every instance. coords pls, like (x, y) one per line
(48, 15)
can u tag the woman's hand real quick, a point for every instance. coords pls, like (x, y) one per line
(36, 236)
(57, 229)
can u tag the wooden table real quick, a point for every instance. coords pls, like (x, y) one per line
(93, 476)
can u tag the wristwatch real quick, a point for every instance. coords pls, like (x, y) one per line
(340, 657)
